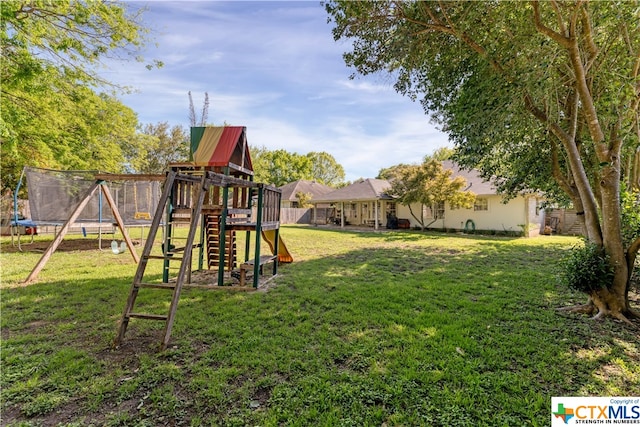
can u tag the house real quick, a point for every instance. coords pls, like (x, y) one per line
(366, 203)
(291, 190)
(490, 213)
(362, 203)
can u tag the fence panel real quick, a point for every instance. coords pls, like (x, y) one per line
(305, 215)
(295, 215)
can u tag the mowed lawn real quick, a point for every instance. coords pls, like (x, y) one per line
(363, 329)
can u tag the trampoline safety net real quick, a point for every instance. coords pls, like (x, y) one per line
(53, 195)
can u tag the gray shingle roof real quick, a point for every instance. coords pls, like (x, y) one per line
(475, 182)
(374, 189)
(362, 190)
(290, 190)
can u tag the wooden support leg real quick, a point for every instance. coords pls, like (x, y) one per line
(63, 231)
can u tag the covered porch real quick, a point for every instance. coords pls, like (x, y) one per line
(363, 203)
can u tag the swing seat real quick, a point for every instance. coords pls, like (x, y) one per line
(118, 248)
(142, 215)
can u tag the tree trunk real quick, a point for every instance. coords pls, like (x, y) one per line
(609, 303)
(419, 220)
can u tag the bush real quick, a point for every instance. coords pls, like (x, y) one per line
(586, 269)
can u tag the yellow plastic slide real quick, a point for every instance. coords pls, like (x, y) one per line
(283, 253)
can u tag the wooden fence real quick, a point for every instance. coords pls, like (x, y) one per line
(303, 215)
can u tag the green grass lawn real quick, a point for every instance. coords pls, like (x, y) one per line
(363, 329)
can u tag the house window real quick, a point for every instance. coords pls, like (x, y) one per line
(435, 211)
(481, 204)
(391, 208)
(539, 206)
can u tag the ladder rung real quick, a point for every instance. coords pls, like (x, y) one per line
(157, 285)
(148, 316)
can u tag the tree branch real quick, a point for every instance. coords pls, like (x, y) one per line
(442, 27)
(586, 99)
(585, 191)
(557, 171)
(588, 32)
(556, 8)
(559, 38)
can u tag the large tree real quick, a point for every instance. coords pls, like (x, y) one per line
(325, 169)
(428, 185)
(280, 167)
(53, 111)
(540, 95)
(155, 146)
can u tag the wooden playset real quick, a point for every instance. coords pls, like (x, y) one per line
(215, 196)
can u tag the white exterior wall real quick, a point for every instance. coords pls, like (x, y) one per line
(403, 212)
(500, 217)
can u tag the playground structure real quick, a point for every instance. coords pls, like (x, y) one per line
(87, 200)
(215, 197)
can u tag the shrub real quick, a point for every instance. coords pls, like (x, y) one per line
(586, 268)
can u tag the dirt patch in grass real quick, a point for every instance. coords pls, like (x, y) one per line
(209, 279)
(67, 245)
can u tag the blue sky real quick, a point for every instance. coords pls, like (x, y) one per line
(274, 68)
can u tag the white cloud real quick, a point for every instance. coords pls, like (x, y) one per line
(274, 67)
(180, 41)
(364, 86)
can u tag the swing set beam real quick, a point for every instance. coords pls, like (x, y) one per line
(98, 185)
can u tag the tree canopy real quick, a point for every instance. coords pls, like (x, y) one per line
(53, 114)
(428, 185)
(539, 95)
(155, 146)
(280, 167)
(325, 169)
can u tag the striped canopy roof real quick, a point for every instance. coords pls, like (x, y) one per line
(220, 146)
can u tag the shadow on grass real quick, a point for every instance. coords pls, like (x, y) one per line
(431, 334)
(405, 235)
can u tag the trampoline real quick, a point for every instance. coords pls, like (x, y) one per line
(86, 201)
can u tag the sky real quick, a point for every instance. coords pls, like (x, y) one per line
(274, 68)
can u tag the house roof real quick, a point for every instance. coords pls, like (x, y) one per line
(362, 190)
(220, 146)
(475, 183)
(290, 190)
(374, 189)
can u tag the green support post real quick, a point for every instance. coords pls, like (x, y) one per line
(167, 239)
(247, 243)
(256, 263)
(223, 235)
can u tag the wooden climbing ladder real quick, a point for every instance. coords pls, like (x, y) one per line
(212, 238)
(191, 195)
(170, 253)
